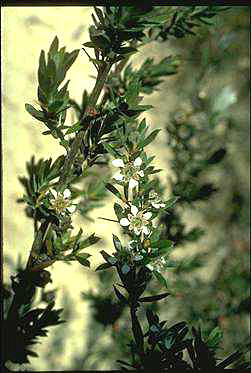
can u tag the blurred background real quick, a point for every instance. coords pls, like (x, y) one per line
(210, 92)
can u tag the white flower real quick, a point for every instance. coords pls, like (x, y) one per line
(157, 205)
(155, 200)
(129, 172)
(62, 201)
(137, 221)
(157, 265)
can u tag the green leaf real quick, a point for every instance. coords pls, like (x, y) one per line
(142, 125)
(42, 77)
(71, 59)
(160, 278)
(215, 337)
(103, 266)
(106, 256)
(54, 46)
(74, 128)
(83, 261)
(109, 148)
(91, 240)
(154, 298)
(89, 44)
(55, 106)
(112, 189)
(120, 296)
(132, 92)
(149, 139)
(39, 115)
(54, 170)
(100, 15)
(63, 90)
(170, 202)
(116, 242)
(118, 210)
(83, 255)
(42, 97)
(126, 50)
(51, 74)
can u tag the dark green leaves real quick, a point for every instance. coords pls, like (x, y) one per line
(108, 258)
(82, 259)
(32, 325)
(91, 240)
(116, 242)
(54, 102)
(185, 19)
(37, 114)
(161, 279)
(103, 266)
(118, 211)
(120, 296)
(170, 202)
(149, 139)
(40, 173)
(112, 189)
(154, 298)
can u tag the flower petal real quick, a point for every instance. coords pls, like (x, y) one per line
(118, 163)
(145, 230)
(149, 266)
(124, 222)
(147, 215)
(141, 173)
(134, 210)
(133, 183)
(54, 193)
(67, 193)
(155, 205)
(118, 176)
(71, 208)
(137, 231)
(137, 162)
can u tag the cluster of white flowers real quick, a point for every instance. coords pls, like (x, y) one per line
(61, 202)
(137, 221)
(129, 172)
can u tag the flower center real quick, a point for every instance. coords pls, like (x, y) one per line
(130, 171)
(60, 203)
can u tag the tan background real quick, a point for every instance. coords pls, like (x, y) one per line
(25, 31)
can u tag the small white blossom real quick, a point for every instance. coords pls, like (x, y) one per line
(137, 221)
(157, 265)
(155, 200)
(61, 201)
(157, 205)
(129, 172)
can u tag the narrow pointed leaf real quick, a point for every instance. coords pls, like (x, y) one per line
(150, 138)
(83, 261)
(116, 242)
(119, 295)
(112, 189)
(103, 266)
(160, 278)
(39, 115)
(154, 298)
